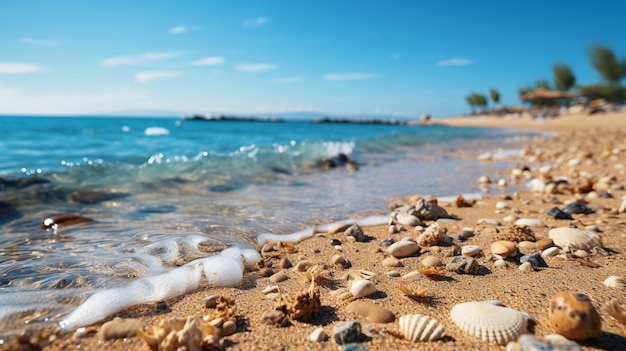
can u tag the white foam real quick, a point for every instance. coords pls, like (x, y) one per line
(156, 131)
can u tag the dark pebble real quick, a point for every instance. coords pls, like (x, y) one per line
(559, 214)
(64, 220)
(335, 242)
(387, 242)
(535, 260)
(576, 208)
(346, 332)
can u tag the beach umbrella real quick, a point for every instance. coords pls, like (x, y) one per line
(546, 94)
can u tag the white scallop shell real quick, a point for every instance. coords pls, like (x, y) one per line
(574, 238)
(362, 288)
(493, 324)
(417, 327)
(615, 282)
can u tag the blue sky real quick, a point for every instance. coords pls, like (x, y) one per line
(404, 58)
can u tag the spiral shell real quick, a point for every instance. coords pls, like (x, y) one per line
(575, 238)
(417, 327)
(491, 323)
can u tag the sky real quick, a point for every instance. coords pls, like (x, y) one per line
(373, 58)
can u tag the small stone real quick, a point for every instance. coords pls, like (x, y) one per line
(338, 228)
(371, 311)
(279, 277)
(463, 265)
(544, 243)
(403, 248)
(393, 274)
(119, 328)
(318, 335)
(211, 301)
(503, 248)
(500, 263)
(471, 250)
(573, 315)
(576, 208)
(550, 252)
(509, 218)
(335, 242)
(339, 260)
(580, 254)
(535, 260)
(284, 263)
(413, 275)
(228, 328)
(389, 262)
(387, 242)
(277, 318)
(431, 261)
(526, 267)
(355, 232)
(362, 288)
(467, 232)
(529, 222)
(502, 205)
(529, 342)
(557, 213)
(303, 266)
(526, 245)
(346, 332)
(490, 221)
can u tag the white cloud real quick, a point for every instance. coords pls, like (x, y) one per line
(208, 61)
(39, 42)
(179, 29)
(255, 67)
(285, 80)
(141, 59)
(20, 68)
(69, 102)
(147, 77)
(454, 62)
(255, 22)
(349, 76)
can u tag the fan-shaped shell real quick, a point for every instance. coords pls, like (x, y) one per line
(575, 238)
(417, 327)
(491, 323)
(615, 282)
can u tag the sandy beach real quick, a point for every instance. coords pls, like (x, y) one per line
(589, 150)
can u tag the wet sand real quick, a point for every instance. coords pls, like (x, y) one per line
(598, 142)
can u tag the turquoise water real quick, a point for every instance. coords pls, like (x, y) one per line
(161, 179)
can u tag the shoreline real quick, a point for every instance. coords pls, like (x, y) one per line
(526, 291)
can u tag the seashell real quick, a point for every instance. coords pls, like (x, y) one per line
(550, 252)
(615, 282)
(302, 266)
(433, 235)
(279, 277)
(529, 222)
(431, 261)
(403, 248)
(417, 327)
(371, 311)
(471, 250)
(526, 245)
(573, 315)
(362, 288)
(503, 248)
(493, 324)
(270, 289)
(574, 239)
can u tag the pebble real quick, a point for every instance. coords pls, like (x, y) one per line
(284, 263)
(526, 245)
(341, 261)
(530, 222)
(387, 242)
(557, 213)
(471, 250)
(277, 318)
(503, 248)
(302, 266)
(403, 248)
(392, 262)
(228, 328)
(463, 265)
(413, 275)
(490, 221)
(119, 328)
(431, 261)
(544, 243)
(552, 342)
(467, 232)
(393, 273)
(371, 311)
(355, 232)
(573, 315)
(346, 332)
(318, 335)
(576, 208)
(362, 288)
(580, 254)
(500, 263)
(510, 218)
(535, 260)
(502, 205)
(550, 252)
(211, 301)
(279, 277)
(526, 267)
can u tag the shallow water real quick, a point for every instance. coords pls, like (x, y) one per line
(154, 186)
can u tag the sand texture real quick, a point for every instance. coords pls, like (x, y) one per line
(590, 151)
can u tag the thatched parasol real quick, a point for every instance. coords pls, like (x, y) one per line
(546, 94)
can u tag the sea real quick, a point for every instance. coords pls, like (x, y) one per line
(146, 181)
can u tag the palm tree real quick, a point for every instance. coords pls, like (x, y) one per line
(564, 79)
(495, 96)
(604, 61)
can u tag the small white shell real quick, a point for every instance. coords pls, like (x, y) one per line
(550, 252)
(574, 238)
(493, 324)
(362, 288)
(615, 282)
(417, 327)
(531, 222)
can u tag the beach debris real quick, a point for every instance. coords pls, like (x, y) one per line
(356, 274)
(371, 311)
(615, 282)
(574, 238)
(491, 323)
(433, 273)
(303, 305)
(573, 315)
(191, 333)
(346, 332)
(615, 310)
(119, 328)
(429, 210)
(433, 235)
(403, 248)
(551, 342)
(418, 327)
(64, 220)
(318, 335)
(463, 265)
